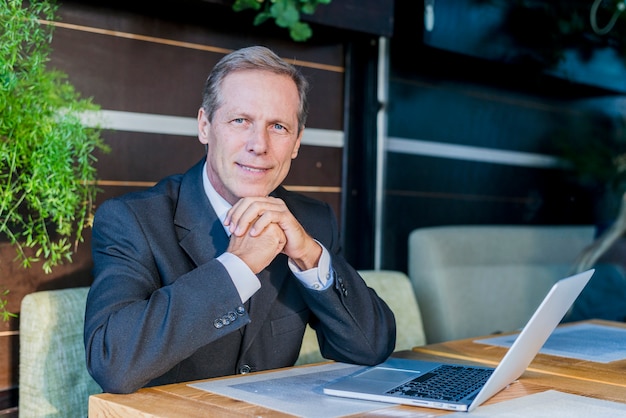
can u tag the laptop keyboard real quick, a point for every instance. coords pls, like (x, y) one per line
(446, 383)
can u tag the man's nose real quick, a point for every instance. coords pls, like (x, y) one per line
(258, 141)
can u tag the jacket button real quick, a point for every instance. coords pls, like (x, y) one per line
(342, 287)
(241, 310)
(245, 369)
(218, 323)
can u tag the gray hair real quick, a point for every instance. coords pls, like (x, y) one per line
(252, 58)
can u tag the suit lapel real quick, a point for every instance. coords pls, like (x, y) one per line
(202, 248)
(199, 230)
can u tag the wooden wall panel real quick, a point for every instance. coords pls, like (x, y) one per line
(147, 64)
(146, 157)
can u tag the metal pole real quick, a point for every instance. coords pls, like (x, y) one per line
(381, 140)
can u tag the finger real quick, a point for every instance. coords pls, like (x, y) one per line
(259, 225)
(234, 212)
(245, 213)
(258, 252)
(272, 211)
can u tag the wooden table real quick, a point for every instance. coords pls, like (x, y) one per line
(597, 380)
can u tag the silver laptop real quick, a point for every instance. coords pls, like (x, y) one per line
(455, 386)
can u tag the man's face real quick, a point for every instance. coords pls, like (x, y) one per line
(253, 136)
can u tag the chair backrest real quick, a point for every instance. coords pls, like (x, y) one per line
(478, 280)
(394, 287)
(53, 376)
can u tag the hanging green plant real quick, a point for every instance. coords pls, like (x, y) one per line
(4, 312)
(47, 174)
(286, 14)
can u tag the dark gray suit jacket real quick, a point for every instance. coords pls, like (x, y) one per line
(162, 309)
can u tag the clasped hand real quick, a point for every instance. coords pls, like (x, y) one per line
(263, 227)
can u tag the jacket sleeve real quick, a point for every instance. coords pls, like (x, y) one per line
(353, 324)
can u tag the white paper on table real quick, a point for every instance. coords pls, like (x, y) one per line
(296, 391)
(591, 342)
(548, 404)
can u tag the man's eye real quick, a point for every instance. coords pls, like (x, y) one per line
(278, 127)
(238, 120)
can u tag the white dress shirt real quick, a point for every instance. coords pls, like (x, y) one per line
(243, 278)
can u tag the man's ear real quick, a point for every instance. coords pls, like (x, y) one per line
(203, 127)
(296, 147)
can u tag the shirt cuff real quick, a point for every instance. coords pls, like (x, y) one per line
(318, 278)
(243, 278)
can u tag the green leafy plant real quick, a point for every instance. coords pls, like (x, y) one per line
(286, 14)
(4, 312)
(47, 174)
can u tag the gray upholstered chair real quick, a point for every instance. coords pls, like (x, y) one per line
(53, 377)
(474, 280)
(395, 289)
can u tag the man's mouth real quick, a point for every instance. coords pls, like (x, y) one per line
(252, 169)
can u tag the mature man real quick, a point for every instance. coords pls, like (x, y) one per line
(219, 270)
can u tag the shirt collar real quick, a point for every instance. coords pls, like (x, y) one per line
(220, 205)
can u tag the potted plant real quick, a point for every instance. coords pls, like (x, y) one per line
(47, 173)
